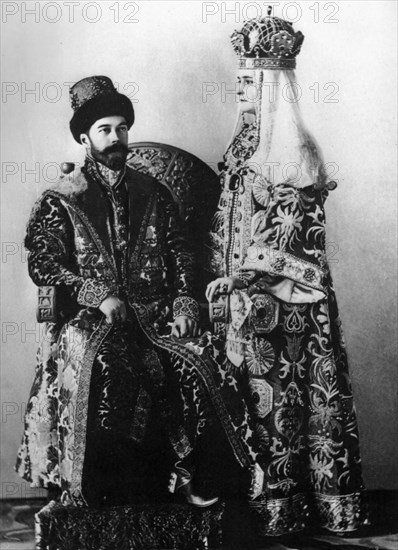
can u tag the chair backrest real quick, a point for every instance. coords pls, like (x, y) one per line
(194, 186)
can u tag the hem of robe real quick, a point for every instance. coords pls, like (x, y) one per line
(344, 513)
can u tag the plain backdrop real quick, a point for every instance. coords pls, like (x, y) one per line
(176, 63)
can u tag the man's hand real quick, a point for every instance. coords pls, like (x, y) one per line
(223, 285)
(114, 310)
(184, 327)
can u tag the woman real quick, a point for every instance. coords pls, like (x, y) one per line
(279, 320)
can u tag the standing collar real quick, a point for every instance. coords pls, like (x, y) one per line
(110, 177)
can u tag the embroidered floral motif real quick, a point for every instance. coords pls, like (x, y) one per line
(261, 191)
(92, 293)
(259, 356)
(288, 421)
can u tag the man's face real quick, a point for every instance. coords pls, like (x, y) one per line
(247, 93)
(107, 140)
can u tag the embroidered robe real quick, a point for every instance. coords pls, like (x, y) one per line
(283, 341)
(104, 395)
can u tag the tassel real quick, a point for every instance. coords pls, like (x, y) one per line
(235, 352)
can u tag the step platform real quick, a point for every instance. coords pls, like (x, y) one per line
(166, 526)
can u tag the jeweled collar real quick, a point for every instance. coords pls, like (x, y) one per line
(243, 146)
(103, 173)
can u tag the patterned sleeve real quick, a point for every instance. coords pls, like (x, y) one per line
(288, 241)
(182, 259)
(49, 240)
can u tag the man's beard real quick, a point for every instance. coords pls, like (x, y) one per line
(114, 156)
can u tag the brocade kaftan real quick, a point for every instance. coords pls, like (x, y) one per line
(107, 399)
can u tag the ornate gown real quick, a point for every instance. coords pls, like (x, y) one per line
(107, 400)
(283, 342)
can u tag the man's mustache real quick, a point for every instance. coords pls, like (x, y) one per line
(116, 148)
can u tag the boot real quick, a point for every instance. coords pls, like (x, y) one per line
(181, 481)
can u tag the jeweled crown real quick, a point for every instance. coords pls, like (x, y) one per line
(267, 43)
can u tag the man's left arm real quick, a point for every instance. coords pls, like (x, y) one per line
(185, 307)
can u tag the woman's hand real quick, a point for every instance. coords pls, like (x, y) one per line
(223, 285)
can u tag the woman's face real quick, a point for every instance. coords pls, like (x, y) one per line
(247, 91)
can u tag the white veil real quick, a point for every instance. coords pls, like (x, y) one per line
(286, 152)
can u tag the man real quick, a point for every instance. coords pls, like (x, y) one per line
(282, 335)
(114, 391)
